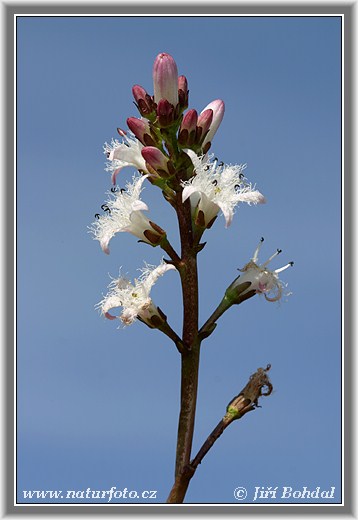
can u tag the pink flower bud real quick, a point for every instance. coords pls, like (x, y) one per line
(189, 120)
(205, 120)
(183, 84)
(139, 93)
(218, 108)
(187, 132)
(141, 130)
(143, 99)
(183, 92)
(165, 79)
(165, 113)
(155, 158)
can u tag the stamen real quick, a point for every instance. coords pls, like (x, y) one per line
(256, 253)
(290, 264)
(271, 257)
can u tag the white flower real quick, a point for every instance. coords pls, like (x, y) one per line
(125, 153)
(134, 298)
(262, 280)
(217, 186)
(123, 212)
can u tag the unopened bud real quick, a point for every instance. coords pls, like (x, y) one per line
(189, 120)
(183, 92)
(165, 113)
(218, 108)
(187, 130)
(165, 79)
(141, 130)
(157, 160)
(204, 121)
(143, 100)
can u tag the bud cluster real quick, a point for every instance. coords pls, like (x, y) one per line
(164, 131)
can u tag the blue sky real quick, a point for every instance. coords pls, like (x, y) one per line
(98, 405)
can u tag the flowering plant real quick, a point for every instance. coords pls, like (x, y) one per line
(170, 147)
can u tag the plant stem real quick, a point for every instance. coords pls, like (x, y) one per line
(245, 402)
(190, 357)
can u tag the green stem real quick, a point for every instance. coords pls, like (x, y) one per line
(223, 306)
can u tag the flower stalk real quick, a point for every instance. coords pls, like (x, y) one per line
(169, 149)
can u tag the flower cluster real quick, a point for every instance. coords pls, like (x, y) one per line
(169, 146)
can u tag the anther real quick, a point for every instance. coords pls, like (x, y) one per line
(221, 163)
(105, 208)
(241, 176)
(278, 251)
(291, 263)
(97, 215)
(122, 190)
(206, 168)
(215, 182)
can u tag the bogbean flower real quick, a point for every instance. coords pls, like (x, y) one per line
(217, 186)
(134, 297)
(122, 154)
(123, 212)
(261, 280)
